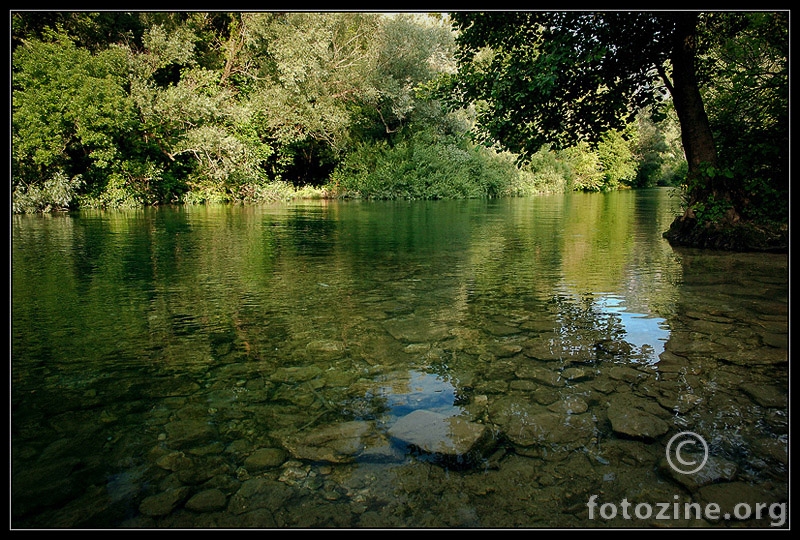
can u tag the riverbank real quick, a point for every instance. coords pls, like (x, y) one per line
(741, 236)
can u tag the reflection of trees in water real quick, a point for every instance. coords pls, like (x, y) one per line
(582, 323)
(369, 405)
(311, 231)
(212, 326)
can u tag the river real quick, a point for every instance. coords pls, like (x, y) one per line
(510, 363)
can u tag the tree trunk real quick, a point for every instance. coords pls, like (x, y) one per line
(695, 130)
(716, 194)
(698, 141)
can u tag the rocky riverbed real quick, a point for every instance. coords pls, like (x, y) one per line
(532, 423)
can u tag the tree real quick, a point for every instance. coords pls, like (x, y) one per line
(303, 75)
(71, 115)
(749, 106)
(562, 77)
(90, 30)
(614, 150)
(141, 119)
(658, 151)
(162, 107)
(192, 118)
(408, 51)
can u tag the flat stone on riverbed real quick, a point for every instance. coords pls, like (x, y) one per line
(448, 437)
(335, 443)
(325, 349)
(528, 426)
(264, 458)
(714, 470)
(415, 330)
(539, 374)
(192, 432)
(209, 500)
(631, 417)
(765, 395)
(163, 503)
(569, 405)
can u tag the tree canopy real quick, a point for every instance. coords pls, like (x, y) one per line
(564, 77)
(143, 108)
(558, 78)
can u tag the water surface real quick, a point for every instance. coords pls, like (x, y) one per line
(251, 366)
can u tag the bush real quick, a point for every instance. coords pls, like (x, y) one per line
(423, 166)
(544, 172)
(274, 191)
(57, 193)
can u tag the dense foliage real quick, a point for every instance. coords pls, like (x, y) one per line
(573, 78)
(748, 103)
(113, 109)
(556, 77)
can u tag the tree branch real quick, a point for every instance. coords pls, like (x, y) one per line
(663, 74)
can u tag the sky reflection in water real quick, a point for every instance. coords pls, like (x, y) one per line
(647, 333)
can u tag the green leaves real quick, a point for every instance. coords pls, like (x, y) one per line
(748, 107)
(711, 172)
(566, 77)
(67, 101)
(214, 102)
(711, 209)
(58, 192)
(619, 163)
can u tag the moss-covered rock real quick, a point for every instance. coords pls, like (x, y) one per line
(738, 236)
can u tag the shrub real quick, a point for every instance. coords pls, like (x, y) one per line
(424, 165)
(59, 192)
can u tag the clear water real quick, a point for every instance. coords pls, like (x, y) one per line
(158, 355)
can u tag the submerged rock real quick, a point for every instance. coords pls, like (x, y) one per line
(415, 330)
(209, 500)
(192, 432)
(550, 347)
(765, 395)
(500, 329)
(163, 503)
(295, 374)
(634, 421)
(569, 405)
(614, 348)
(738, 500)
(448, 438)
(528, 424)
(336, 443)
(259, 493)
(715, 469)
(504, 350)
(576, 374)
(539, 374)
(552, 428)
(326, 349)
(263, 459)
